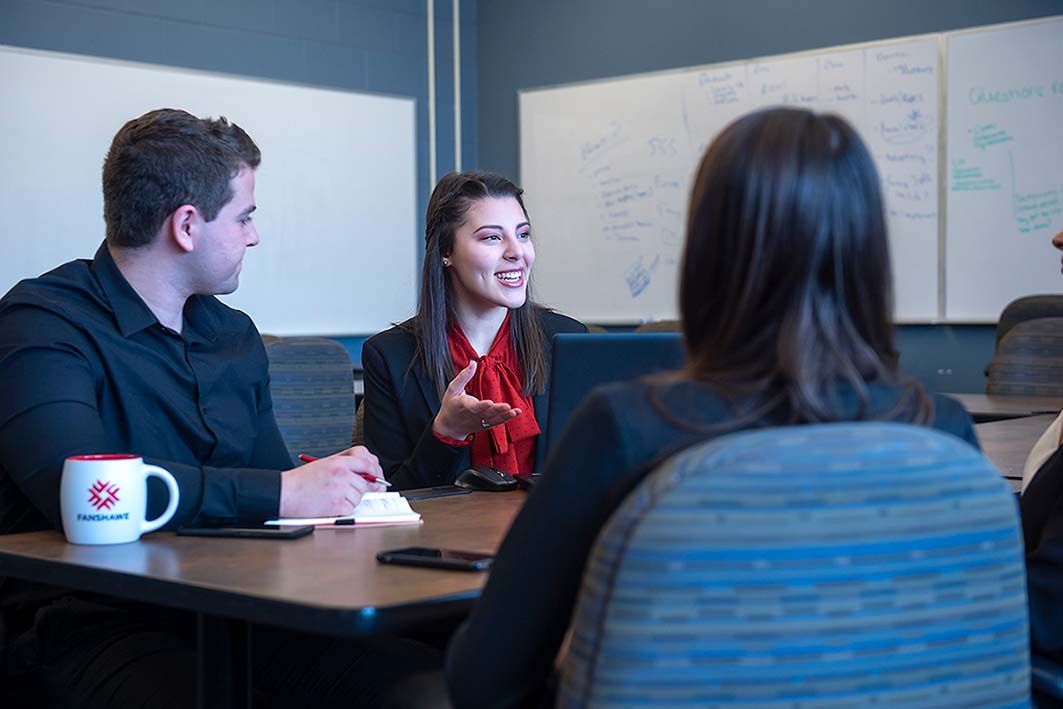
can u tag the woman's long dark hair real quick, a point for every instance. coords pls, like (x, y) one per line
(447, 207)
(786, 286)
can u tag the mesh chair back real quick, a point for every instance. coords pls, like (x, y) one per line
(659, 326)
(838, 565)
(1029, 308)
(1029, 360)
(312, 382)
(358, 434)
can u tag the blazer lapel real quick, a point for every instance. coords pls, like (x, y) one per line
(542, 406)
(428, 390)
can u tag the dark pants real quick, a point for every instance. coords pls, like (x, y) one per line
(90, 654)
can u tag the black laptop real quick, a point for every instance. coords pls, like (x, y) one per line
(582, 362)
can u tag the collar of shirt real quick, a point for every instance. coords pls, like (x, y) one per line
(132, 314)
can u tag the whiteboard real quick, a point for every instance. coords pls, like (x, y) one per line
(1004, 167)
(336, 190)
(608, 167)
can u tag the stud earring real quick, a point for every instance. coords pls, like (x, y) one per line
(446, 262)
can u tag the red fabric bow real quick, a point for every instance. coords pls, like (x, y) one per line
(509, 447)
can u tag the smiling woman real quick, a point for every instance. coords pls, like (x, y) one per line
(459, 383)
(492, 256)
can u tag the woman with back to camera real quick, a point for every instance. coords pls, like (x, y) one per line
(461, 382)
(785, 299)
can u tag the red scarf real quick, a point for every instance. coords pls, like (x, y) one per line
(509, 447)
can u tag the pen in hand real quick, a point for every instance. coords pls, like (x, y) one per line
(371, 478)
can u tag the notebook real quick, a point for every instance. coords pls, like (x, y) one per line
(377, 509)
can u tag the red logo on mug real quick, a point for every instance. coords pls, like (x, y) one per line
(103, 495)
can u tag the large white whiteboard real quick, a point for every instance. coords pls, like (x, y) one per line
(607, 168)
(336, 191)
(1004, 175)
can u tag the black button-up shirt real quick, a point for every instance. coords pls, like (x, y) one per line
(85, 367)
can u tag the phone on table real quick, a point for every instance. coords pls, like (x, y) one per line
(437, 558)
(249, 531)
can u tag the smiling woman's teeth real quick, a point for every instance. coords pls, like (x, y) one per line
(511, 276)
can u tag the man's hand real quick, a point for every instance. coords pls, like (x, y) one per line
(461, 414)
(329, 487)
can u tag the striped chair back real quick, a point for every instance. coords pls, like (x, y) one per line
(312, 382)
(1029, 360)
(660, 326)
(358, 434)
(1029, 307)
(836, 565)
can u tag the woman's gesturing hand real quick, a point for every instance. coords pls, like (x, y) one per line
(462, 414)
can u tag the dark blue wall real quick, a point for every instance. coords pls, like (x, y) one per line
(947, 357)
(444, 41)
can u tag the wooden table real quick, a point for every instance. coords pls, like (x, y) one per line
(1007, 443)
(984, 407)
(328, 583)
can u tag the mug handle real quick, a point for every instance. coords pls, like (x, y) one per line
(171, 507)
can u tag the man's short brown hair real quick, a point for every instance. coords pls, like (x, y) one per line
(164, 159)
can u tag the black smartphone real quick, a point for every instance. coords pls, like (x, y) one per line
(437, 558)
(249, 531)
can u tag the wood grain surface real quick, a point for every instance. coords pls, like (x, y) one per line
(987, 406)
(1008, 443)
(328, 582)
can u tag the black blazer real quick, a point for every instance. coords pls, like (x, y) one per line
(1042, 530)
(401, 402)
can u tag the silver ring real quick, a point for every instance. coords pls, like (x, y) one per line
(484, 424)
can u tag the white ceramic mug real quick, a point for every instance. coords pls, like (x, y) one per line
(104, 498)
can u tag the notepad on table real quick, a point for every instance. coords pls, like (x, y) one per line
(375, 509)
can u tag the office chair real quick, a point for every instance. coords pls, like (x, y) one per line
(312, 381)
(1030, 307)
(1029, 360)
(659, 326)
(358, 433)
(867, 564)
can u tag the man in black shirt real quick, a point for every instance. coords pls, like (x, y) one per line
(132, 353)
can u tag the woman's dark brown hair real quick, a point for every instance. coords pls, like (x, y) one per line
(447, 207)
(785, 286)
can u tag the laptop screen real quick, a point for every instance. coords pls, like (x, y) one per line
(581, 362)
